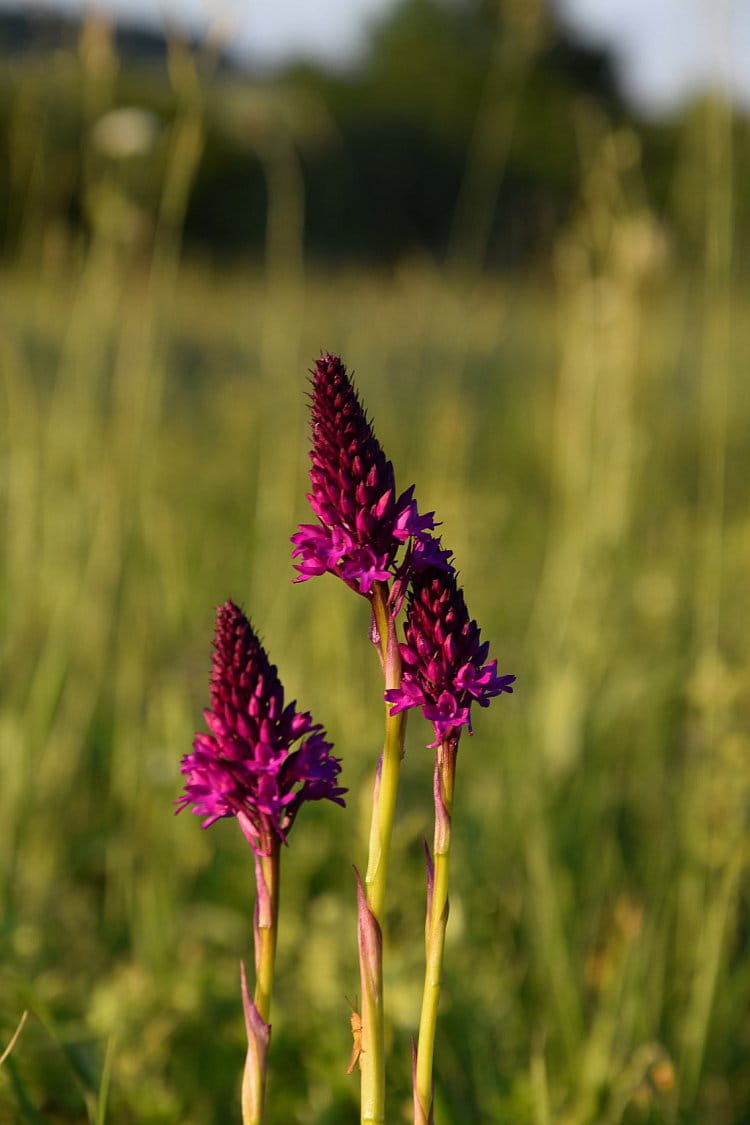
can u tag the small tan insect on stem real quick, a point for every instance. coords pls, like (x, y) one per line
(356, 1021)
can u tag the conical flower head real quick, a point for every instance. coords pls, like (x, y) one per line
(443, 657)
(362, 520)
(245, 766)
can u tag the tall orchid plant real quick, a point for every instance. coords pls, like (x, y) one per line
(374, 539)
(246, 768)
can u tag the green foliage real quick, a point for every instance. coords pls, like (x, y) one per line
(583, 436)
(457, 137)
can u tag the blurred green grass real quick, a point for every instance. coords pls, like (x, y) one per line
(583, 437)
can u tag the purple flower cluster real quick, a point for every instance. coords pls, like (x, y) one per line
(362, 526)
(245, 767)
(362, 521)
(443, 658)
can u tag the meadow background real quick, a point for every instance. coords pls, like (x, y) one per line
(548, 324)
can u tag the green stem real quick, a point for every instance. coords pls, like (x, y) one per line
(257, 1014)
(372, 1058)
(386, 785)
(266, 930)
(437, 919)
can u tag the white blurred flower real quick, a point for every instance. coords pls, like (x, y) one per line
(127, 132)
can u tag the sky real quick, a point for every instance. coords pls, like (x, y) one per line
(665, 51)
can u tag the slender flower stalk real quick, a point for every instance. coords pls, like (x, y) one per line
(246, 768)
(444, 673)
(371, 898)
(384, 803)
(372, 1044)
(266, 925)
(258, 1011)
(436, 922)
(363, 524)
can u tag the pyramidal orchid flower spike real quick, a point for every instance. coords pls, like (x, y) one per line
(362, 520)
(443, 657)
(246, 768)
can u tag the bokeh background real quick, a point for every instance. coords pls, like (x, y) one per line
(536, 263)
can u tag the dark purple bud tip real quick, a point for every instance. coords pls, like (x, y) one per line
(443, 658)
(245, 766)
(362, 521)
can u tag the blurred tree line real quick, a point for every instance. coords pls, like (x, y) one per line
(459, 136)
